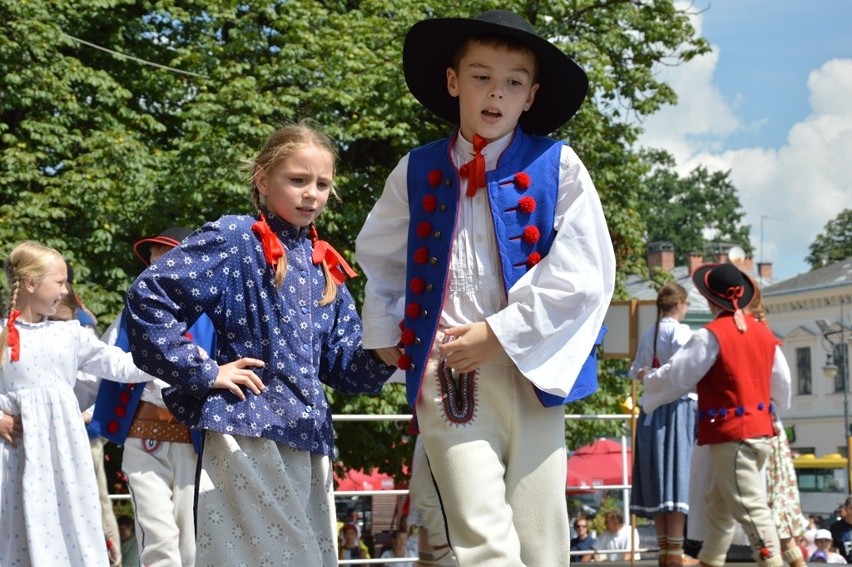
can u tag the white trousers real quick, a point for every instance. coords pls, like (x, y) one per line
(107, 513)
(736, 495)
(498, 458)
(161, 479)
(262, 503)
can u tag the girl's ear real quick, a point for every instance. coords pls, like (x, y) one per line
(29, 285)
(260, 180)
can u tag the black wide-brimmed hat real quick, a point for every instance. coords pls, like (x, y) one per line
(724, 285)
(431, 44)
(170, 237)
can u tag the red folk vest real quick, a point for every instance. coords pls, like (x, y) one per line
(734, 396)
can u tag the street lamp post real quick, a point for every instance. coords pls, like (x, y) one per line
(830, 371)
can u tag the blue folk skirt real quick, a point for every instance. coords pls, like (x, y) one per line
(661, 459)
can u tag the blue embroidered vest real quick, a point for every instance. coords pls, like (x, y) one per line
(522, 193)
(116, 404)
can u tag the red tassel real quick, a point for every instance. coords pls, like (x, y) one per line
(13, 337)
(272, 249)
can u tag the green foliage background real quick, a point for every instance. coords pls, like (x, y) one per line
(98, 149)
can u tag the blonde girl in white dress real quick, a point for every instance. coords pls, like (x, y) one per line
(49, 507)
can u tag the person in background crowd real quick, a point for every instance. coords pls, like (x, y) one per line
(129, 545)
(617, 536)
(841, 531)
(823, 542)
(584, 540)
(665, 437)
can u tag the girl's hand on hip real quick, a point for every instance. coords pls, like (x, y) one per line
(388, 355)
(238, 374)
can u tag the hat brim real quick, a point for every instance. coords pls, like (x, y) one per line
(699, 278)
(429, 49)
(142, 249)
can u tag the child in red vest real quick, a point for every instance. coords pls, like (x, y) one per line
(734, 364)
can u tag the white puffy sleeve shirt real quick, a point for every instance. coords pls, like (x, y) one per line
(548, 322)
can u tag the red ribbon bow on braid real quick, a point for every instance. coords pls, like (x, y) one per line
(337, 266)
(13, 337)
(272, 249)
(474, 170)
(734, 294)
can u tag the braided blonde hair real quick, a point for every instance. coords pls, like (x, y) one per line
(280, 145)
(29, 260)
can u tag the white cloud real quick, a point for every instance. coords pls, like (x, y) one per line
(797, 186)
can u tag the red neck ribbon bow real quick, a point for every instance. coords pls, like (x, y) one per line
(474, 170)
(13, 336)
(339, 269)
(272, 249)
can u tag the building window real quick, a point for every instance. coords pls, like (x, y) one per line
(803, 370)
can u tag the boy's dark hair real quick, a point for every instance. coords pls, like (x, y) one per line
(497, 41)
(125, 521)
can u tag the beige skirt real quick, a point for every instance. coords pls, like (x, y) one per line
(263, 503)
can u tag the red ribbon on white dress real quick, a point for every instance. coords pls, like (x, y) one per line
(13, 337)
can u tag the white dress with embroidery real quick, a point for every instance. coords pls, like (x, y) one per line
(49, 506)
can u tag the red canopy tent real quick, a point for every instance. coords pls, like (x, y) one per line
(352, 480)
(598, 464)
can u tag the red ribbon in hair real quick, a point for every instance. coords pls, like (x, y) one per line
(13, 337)
(474, 170)
(339, 269)
(272, 249)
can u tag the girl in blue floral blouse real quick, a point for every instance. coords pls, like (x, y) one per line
(285, 325)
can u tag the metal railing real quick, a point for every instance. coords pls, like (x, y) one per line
(624, 487)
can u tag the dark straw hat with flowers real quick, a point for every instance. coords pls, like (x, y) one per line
(431, 44)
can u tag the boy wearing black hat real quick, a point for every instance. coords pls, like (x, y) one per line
(159, 459)
(492, 248)
(737, 367)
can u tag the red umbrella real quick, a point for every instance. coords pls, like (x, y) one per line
(597, 464)
(359, 480)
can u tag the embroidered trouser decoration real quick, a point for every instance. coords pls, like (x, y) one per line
(458, 391)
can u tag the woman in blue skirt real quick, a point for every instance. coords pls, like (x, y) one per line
(666, 436)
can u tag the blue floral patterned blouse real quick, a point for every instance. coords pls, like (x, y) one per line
(220, 270)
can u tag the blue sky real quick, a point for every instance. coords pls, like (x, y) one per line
(773, 104)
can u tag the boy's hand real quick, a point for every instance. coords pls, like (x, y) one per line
(388, 355)
(641, 373)
(234, 375)
(11, 427)
(474, 345)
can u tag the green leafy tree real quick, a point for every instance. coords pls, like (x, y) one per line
(834, 243)
(120, 117)
(692, 212)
